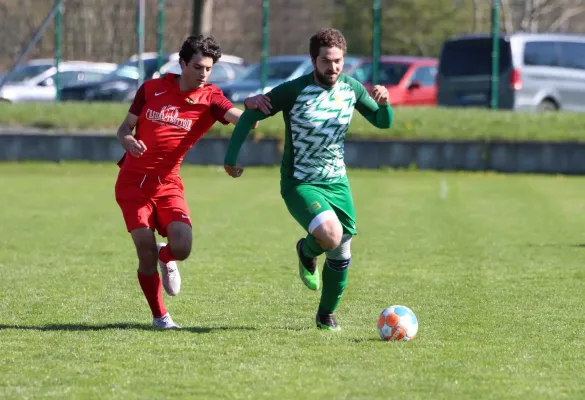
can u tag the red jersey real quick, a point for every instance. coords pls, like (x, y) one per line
(170, 122)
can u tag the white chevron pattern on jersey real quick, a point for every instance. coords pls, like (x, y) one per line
(319, 120)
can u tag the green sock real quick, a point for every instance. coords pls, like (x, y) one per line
(311, 248)
(334, 282)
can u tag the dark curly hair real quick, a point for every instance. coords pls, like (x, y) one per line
(203, 45)
(327, 37)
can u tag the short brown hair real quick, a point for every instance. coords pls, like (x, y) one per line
(327, 37)
(203, 45)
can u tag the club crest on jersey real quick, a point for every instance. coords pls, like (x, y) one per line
(169, 115)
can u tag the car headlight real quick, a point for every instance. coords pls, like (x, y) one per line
(6, 95)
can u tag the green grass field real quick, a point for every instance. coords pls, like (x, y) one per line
(409, 123)
(491, 264)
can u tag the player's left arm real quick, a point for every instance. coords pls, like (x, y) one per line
(376, 108)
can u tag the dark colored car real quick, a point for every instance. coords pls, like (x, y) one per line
(120, 85)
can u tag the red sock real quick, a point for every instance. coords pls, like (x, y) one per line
(152, 288)
(165, 254)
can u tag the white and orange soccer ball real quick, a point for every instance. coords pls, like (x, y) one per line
(397, 323)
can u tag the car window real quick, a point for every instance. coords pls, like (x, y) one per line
(25, 72)
(309, 69)
(218, 74)
(93, 76)
(239, 70)
(70, 77)
(425, 76)
(389, 73)
(129, 69)
(276, 70)
(542, 54)
(469, 57)
(572, 55)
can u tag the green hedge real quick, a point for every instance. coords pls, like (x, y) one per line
(409, 123)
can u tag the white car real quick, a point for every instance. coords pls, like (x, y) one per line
(27, 70)
(226, 69)
(41, 88)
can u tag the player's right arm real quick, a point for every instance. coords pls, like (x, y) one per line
(133, 146)
(279, 100)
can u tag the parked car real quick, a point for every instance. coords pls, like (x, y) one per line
(42, 87)
(120, 85)
(538, 72)
(410, 80)
(280, 69)
(27, 70)
(228, 68)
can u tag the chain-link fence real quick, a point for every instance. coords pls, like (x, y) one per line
(92, 30)
(106, 30)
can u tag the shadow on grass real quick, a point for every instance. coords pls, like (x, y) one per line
(144, 327)
(364, 340)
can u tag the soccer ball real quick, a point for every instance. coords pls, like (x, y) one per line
(397, 323)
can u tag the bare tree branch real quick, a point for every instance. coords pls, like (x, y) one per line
(507, 16)
(565, 16)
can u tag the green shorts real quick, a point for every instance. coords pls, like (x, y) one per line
(305, 201)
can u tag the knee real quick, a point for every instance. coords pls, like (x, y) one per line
(329, 237)
(181, 249)
(181, 252)
(343, 251)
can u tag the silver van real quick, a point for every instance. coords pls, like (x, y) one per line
(542, 72)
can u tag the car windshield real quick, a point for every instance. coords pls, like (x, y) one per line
(24, 73)
(472, 57)
(277, 70)
(126, 71)
(129, 69)
(389, 73)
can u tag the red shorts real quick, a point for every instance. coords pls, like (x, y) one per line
(150, 201)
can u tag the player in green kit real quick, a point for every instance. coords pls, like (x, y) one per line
(317, 109)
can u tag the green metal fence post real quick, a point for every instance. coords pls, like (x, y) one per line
(160, 32)
(376, 42)
(140, 34)
(495, 81)
(57, 79)
(265, 38)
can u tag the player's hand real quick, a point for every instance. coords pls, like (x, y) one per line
(259, 102)
(133, 146)
(380, 95)
(234, 172)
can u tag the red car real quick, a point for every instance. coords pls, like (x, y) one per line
(409, 80)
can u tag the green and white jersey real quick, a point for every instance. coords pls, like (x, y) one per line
(316, 121)
(316, 126)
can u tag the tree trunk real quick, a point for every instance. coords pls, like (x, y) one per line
(202, 17)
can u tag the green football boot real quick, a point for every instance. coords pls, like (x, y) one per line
(308, 269)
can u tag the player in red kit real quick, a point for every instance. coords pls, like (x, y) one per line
(170, 115)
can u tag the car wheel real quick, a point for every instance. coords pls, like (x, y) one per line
(547, 105)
